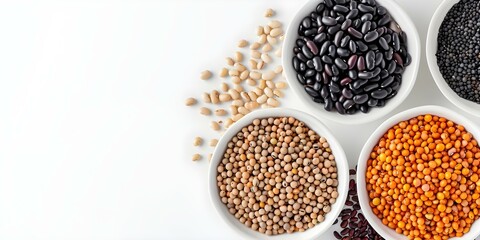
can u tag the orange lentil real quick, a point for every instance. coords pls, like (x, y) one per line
(418, 185)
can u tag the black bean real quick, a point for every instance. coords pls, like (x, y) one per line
(307, 22)
(366, 17)
(387, 82)
(296, 64)
(325, 77)
(396, 41)
(378, 59)
(360, 99)
(359, 83)
(324, 48)
(383, 43)
(334, 29)
(344, 42)
(338, 38)
(311, 92)
(303, 67)
(341, 64)
(329, 3)
(348, 104)
(357, 23)
(317, 63)
(345, 81)
(353, 74)
(365, 8)
(372, 102)
(301, 57)
(371, 36)
(301, 79)
(328, 104)
(371, 87)
(347, 93)
(329, 21)
(362, 46)
(310, 64)
(332, 50)
(364, 108)
(379, 94)
(335, 71)
(353, 5)
(343, 52)
(310, 32)
(399, 69)
(353, 32)
(340, 108)
(318, 78)
(361, 63)
(352, 46)
(370, 60)
(310, 73)
(381, 10)
(384, 20)
(321, 29)
(306, 52)
(346, 24)
(408, 60)
(340, 8)
(319, 38)
(366, 27)
(326, 59)
(328, 70)
(352, 14)
(365, 75)
(376, 72)
(320, 7)
(300, 42)
(312, 47)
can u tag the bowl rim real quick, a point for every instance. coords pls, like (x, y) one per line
(430, 52)
(316, 125)
(374, 221)
(397, 12)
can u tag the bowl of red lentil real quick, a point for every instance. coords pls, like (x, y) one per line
(418, 176)
(278, 174)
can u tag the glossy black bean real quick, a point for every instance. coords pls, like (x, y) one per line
(312, 47)
(296, 64)
(381, 10)
(344, 42)
(366, 17)
(365, 8)
(311, 92)
(346, 24)
(296, 50)
(332, 50)
(395, 85)
(320, 7)
(396, 41)
(325, 78)
(310, 32)
(364, 109)
(334, 29)
(317, 86)
(387, 82)
(321, 29)
(378, 58)
(389, 54)
(329, 3)
(372, 102)
(371, 36)
(328, 104)
(353, 5)
(388, 37)
(362, 46)
(365, 75)
(348, 104)
(324, 48)
(340, 8)
(317, 63)
(318, 100)
(375, 79)
(347, 93)
(357, 23)
(318, 78)
(324, 92)
(307, 22)
(314, 15)
(384, 73)
(391, 67)
(399, 69)
(341, 64)
(303, 67)
(327, 59)
(310, 73)
(359, 83)
(370, 60)
(366, 27)
(352, 14)
(408, 60)
(370, 87)
(352, 46)
(338, 38)
(354, 33)
(301, 57)
(309, 81)
(352, 74)
(334, 97)
(381, 30)
(361, 63)
(301, 79)
(389, 90)
(376, 72)
(352, 61)
(403, 36)
(345, 81)
(384, 20)
(334, 88)
(335, 70)
(383, 43)
(306, 52)
(343, 52)
(319, 38)
(340, 108)
(379, 94)
(300, 43)
(329, 21)
(328, 70)
(373, 47)
(310, 64)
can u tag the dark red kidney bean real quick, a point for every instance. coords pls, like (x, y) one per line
(328, 104)
(345, 81)
(396, 41)
(326, 59)
(398, 59)
(366, 27)
(372, 102)
(329, 21)
(311, 92)
(347, 93)
(352, 46)
(361, 63)
(348, 104)
(362, 46)
(312, 47)
(352, 61)
(341, 64)
(387, 82)
(356, 207)
(324, 48)
(340, 108)
(353, 74)
(307, 22)
(337, 235)
(317, 63)
(371, 36)
(344, 42)
(352, 14)
(353, 32)
(360, 99)
(359, 83)
(338, 38)
(306, 52)
(384, 20)
(365, 8)
(346, 24)
(326, 78)
(371, 87)
(370, 60)
(365, 75)
(383, 43)
(379, 94)
(378, 58)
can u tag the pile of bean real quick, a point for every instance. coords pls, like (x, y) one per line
(278, 176)
(350, 55)
(458, 52)
(423, 178)
(353, 223)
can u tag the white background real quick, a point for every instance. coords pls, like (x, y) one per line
(95, 140)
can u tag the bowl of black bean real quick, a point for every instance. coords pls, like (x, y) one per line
(350, 60)
(453, 53)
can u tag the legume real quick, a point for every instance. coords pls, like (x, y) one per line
(197, 141)
(348, 58)
(277, 175)
(190, 101)
(458, 51)
(418, 186)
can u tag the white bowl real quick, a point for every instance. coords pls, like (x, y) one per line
(363, 198)
(315, 125)
(431, 50)
(408, 78)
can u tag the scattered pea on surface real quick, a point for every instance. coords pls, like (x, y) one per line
(197, 141)
(205, 111)
(190, 101)
(213, 142)
(205, 75)
(223, 72)
(215, 125)
(196, 157)
(242, 43)
(269, 13)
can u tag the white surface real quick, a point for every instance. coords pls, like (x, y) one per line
(315, 125)
(430, 52)
(95, 140)
(364, 200)
(408, 77)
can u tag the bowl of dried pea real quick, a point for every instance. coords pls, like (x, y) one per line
(418, 176)
(278, 174)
